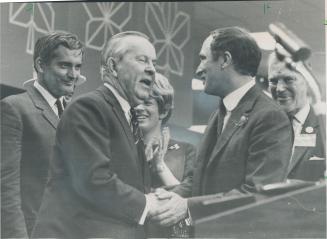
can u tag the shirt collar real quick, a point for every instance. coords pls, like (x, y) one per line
(123, 103)
(46, 94)
(232, 99)
(302, 115)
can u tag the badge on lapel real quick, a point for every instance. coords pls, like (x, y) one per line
(175, 146)
(306, 140)
(308, 130)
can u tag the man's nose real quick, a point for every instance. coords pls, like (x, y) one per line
(199, 71)
(73, 73)
(139, 108)
(281, 86)
(150, 68)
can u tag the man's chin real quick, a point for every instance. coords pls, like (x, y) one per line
(68, 93)
(287, 108)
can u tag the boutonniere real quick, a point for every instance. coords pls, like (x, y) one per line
(175, 146)
(243, 120)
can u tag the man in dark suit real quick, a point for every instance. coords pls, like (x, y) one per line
(99, 178)
(248, 140)
(289, 88)
(28, 126)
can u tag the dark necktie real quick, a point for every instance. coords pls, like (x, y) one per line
(59, 107)
(135, 127)
(214, 144)
(221, 117)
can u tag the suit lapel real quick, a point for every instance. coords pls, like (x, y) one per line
(299, 152)
(243, 108)
(118, 111)
(42, 105)
(205, 150)
(109, 96)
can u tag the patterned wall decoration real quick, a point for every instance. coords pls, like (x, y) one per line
(170, 30)
(105, 19)
(168, 27)
(36, 17)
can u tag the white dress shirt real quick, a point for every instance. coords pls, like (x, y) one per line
(299, 119)
(48, 97)
(123, 103)
(126, 108)
(232, 99)
(297, 123)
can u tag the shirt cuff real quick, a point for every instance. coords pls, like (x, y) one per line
(145, 211)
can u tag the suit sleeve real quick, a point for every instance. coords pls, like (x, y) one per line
(12, 217)
(84, 138)
(184, 189)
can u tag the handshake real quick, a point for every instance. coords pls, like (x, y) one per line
(166, 208)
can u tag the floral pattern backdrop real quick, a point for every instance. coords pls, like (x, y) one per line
(167, 24)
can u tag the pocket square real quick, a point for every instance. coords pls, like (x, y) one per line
(316, 158)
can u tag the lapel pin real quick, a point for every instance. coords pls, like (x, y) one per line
(309, 130)
(175, 146)
(243, 120)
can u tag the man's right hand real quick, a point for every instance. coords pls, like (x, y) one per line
(155, 202)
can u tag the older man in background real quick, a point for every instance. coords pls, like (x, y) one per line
(28, 126)
(289, 88)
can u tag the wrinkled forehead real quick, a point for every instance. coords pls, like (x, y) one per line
(136, 43)
(280, 69)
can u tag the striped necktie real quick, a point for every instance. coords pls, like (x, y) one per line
(135, 127)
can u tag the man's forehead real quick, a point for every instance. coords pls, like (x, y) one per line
(135, 41)
(206, 49)
(207, 42)
(280, 69)
(63, 51)
(139, 45)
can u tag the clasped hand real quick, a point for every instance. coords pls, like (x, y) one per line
(169, 208)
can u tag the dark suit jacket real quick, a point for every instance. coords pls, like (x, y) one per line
(97, 177)
(253, 149)
(179, 158)
(28, 127)
(302, 165)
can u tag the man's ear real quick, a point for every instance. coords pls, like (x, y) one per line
(112, 66)
(39, 65)
(227, 59)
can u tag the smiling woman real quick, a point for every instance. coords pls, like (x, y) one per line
(171, 161)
